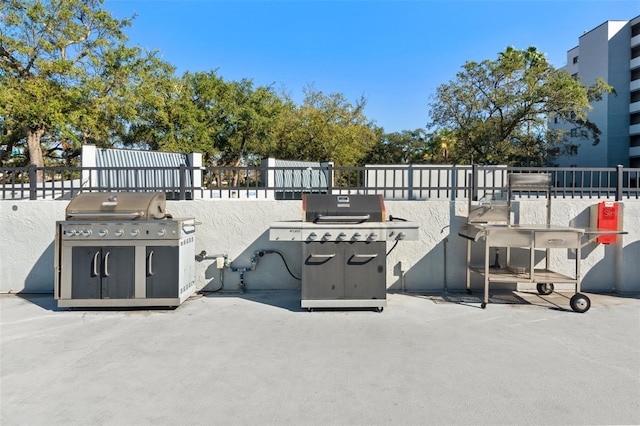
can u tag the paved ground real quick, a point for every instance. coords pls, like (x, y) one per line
(258, 359)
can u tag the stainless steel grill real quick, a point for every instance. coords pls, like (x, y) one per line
(343, 249)
(123, 250)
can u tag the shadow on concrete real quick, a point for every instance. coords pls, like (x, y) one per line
(284, 299)
(43, 300)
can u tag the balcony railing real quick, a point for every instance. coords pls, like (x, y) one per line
(401, 182)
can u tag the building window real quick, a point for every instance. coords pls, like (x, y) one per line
(573, 149)
(575, 76)
(635, 96)
(634, 118)
(575, 59)
(635, 30)
(573, 133)
(635, 74)
(635, 52)
(555, 120)
(634, 140)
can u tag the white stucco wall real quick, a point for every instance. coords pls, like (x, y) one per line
(238, 228)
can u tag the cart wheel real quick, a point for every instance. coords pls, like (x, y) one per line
(483, 305)
(309, 309)
(545, 288)
(580, 303)
(380, 309)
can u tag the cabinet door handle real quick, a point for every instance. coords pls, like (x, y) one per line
(365, 256)
(322, 256)
(95, 264)
(106, 264)
(150, 263)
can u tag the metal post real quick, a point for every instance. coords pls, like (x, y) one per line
(474, 182)
(33, 181)
(183, 180)
(329, 178)
(410, 182)
(619, 182)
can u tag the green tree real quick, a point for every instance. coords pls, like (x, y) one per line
(67, 75)
(408, 146)
(324, 128)
(497, 111)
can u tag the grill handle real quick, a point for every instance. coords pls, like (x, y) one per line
(345, 219)
(95, 264)
(150, 263)
(104, 215)
(365, 256)
(322, 256)
(106, 264)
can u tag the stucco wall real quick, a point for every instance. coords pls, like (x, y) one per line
(239, 228)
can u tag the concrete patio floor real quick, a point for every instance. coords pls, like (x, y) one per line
(259, 359)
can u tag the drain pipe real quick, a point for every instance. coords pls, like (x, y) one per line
(242, 270)
(446, 287)
(445, 241)
(222, 261)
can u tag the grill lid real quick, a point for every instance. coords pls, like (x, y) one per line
(325, 208)
(117, 206)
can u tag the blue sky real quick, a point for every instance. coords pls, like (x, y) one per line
(395, 53)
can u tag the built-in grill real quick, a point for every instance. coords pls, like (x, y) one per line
(123, 250)
(343, 249)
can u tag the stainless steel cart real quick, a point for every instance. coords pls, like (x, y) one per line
(491, 222)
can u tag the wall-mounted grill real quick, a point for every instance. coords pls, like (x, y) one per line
(123, 250)
(343, 249)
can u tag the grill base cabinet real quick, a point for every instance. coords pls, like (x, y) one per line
(337, 274)
(343, 243)
(154, 269)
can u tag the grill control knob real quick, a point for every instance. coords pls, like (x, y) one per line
(342, 236)
(86, 232)
(69, 232)
(326, 236)
(372, 236)
(103, 232)
(356, 236)
(313, 236)
(401, 236)
(119, 232)
(161, 232)
(135, 232)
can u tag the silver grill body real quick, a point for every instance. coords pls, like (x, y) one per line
(343, 249)
(116, 259)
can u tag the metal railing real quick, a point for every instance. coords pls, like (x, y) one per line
(403, 182)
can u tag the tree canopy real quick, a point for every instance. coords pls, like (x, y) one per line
(68, 77)
(66, 74)
(497, 111)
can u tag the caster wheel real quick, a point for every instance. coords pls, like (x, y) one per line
(379, 309)
(309, 309)
(580, 303)
(483, 305)
(545, 288)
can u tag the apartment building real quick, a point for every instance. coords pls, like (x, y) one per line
(610, 51)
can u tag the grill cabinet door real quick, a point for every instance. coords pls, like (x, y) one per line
(102, 272)
(323, 271)
(118, 277)
(365, 271)
(162, 271)
(86, 270)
